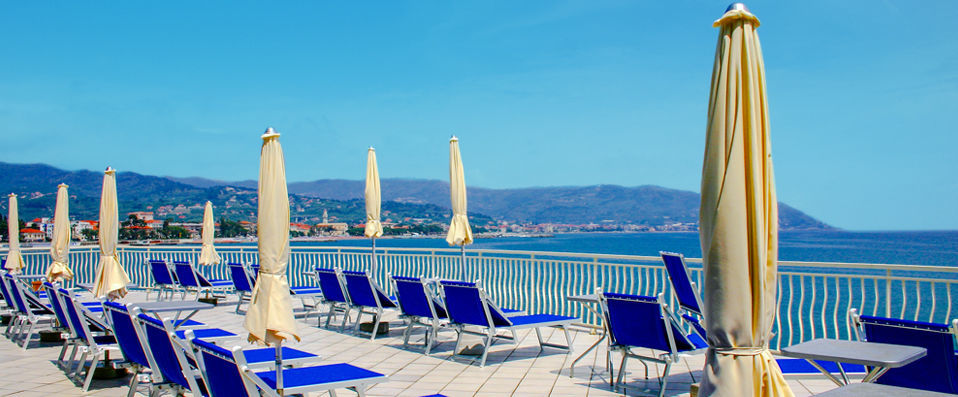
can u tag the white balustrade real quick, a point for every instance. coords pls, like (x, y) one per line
(814, 297)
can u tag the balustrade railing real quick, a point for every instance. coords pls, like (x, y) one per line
(813, 297)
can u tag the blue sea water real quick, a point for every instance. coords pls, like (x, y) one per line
(937, 248)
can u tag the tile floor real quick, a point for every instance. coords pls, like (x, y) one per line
(521, 370)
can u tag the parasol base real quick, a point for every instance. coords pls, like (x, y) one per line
(211, 300)
(51, 336)
(474, 350)
(368, 327)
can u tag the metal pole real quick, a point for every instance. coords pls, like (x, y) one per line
(462, 263)
(372, 266)
(279, 367)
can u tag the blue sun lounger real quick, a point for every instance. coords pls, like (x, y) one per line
(419, 306)
(334, 294)
(64, 323)
(164, 280)
(227, 375)
(937, 371)
(644, 322)
(189, 278)
(468, 305)
(244, 281)
(686, 292)
(28, 315)
(364, 294)
(90, 345)
(168, 362)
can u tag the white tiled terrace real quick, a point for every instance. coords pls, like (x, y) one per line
(521, 370)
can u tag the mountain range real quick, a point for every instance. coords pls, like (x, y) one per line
(403, 199)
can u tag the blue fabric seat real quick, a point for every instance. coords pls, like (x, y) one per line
(190, 279)
(305, 290)
(268, 355)
(419, 306)
(468, 305)
(936, 371)
(686, 292)
(334, 294)
(798, 366)
(644, 322)
(206, 333)
(227, 374)
(367, 298)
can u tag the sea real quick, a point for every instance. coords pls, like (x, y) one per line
(930, 248)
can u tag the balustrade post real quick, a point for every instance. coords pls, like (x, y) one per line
(888, 293)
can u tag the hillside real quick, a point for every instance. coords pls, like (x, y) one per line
(641, 205)
(35, 184)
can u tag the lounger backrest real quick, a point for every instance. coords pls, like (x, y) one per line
(79, 325)
(414, 299)
(467, 304)
(185, 274)
(686, 293)
(125, 333)
(220, 371)
(161, 273)
(18, 298)
(359, 288)
(937, 371)
(55, 303)
(3, 290)
(363, 291)
(241, 278)
(161, 348)
(331, 286)
(640, 321)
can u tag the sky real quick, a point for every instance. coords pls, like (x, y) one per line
(863, 95)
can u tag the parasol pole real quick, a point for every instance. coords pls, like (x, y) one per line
(279, 366)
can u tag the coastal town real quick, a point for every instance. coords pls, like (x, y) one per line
(139, 226)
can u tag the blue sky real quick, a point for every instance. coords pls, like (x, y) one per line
(863, 95)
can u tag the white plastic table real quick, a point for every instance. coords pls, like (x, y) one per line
(880, 357)
(591, 301)
(872, 389)
(173, 306)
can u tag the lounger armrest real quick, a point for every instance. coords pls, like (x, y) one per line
(251, 375)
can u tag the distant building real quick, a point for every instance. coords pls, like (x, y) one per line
(32, 235)
(333, 229)
(79, 226)
(299, 227)
(142, 215)
(195, 228)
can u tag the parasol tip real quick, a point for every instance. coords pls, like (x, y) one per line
(737, 7)
(372, 149)
(62, 185)
(109, 170)
(453, 138)
(12, 195)
(270, 132)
